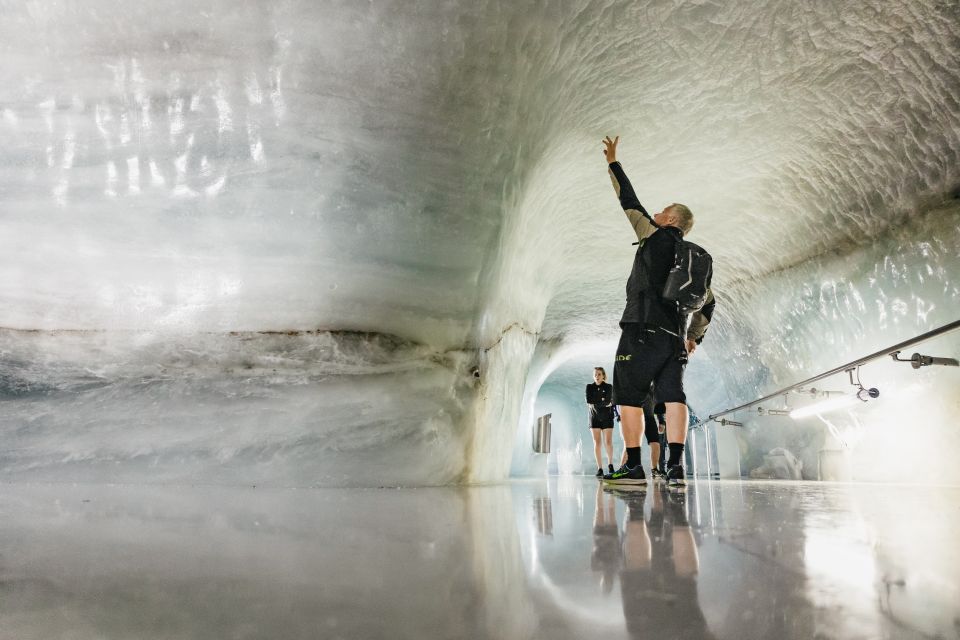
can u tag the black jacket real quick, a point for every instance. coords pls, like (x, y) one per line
(651, 264)
(600, 395)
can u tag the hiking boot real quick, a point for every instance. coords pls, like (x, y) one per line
(675, 476)
(599, 473)
(627, 475)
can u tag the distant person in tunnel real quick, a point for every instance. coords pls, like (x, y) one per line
(600, 407)
(656, 338)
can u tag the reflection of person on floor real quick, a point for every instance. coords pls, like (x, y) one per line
(605, 559)
(658, 582)
(600, 406)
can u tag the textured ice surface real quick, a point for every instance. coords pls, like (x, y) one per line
(239, 409)
(172, 172)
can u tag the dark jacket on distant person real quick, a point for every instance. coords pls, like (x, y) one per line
(600, 399)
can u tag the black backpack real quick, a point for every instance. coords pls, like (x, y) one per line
(689, 278)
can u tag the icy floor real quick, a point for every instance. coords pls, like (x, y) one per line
(536, 559)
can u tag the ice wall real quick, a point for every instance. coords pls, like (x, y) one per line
(188, 187)
(214, 167)
(837, 308)
(242, 409)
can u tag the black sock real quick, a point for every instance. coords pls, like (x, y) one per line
(633, 456)
(676, 453)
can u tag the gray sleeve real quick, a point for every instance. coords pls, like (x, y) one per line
(701, 319)
(640, 220)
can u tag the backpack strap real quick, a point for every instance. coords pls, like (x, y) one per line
(647, 264)
(682, 323)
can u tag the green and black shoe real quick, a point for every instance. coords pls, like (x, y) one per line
(675, 476)
(626, 475)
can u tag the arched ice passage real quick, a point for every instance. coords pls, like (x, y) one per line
(270, 242)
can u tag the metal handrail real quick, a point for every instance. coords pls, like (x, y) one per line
(947, 328)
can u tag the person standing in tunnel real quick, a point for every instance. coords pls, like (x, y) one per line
(600, 407)
(650, 348)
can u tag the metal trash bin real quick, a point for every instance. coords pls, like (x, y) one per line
(541, 434)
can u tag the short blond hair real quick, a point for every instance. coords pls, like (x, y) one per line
(684, 217)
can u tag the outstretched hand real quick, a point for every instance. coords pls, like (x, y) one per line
(610, 150)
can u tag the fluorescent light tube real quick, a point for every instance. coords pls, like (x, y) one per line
(830, 404)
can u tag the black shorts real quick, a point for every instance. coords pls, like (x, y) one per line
(601, 417)
(656, 359)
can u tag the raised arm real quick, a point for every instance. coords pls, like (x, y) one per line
(643, 225)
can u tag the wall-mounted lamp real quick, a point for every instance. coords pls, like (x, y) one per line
(871, 393)
(724, 422)
(916, 360)
(830, 404)
(783, 411)
(773, 412)
(863, 394)
(838, 401)
(813, 391)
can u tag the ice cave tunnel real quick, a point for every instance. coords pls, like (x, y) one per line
(273, 242)
(287, 285)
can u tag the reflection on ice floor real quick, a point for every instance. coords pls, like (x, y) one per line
(538, 559)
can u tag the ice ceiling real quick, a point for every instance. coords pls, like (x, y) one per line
(270, 241)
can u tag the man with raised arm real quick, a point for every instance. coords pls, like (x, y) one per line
(651, 349)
